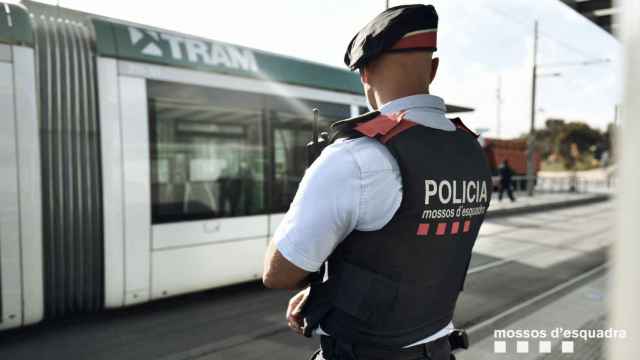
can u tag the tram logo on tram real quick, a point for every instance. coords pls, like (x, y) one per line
(183, 49)
(146, 41)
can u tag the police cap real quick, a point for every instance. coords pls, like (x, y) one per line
(400, 28)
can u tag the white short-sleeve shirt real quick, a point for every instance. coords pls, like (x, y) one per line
(354, 184)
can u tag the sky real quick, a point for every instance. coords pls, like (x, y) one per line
(479, 42)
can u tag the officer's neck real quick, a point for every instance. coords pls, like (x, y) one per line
(384, 97)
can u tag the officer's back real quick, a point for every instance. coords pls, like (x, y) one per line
(398, 250)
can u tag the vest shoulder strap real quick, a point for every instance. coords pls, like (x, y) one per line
(376, 125)
(385, 126)
(460, 125)
(345, 128)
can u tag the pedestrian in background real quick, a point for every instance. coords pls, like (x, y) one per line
(506, 173)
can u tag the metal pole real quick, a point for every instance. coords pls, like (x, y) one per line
(498, 107)
(530, 143)
(624, 283)
(386, 4)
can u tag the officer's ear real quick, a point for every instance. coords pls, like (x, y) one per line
(434, 68)
(364, 75)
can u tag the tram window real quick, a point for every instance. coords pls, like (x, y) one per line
(291, 130)
(207, 157)
(363, 110)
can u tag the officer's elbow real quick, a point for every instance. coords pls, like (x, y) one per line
(273, 282)
(268, 281)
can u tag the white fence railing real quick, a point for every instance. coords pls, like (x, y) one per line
(560, 184)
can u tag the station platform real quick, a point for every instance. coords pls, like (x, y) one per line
(541, 201)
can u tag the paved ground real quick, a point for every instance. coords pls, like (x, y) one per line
(515, 259)
(582, 308)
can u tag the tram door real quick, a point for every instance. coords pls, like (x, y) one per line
(207, 186)
(195, 214)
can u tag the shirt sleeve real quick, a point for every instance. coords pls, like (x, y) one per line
(324, 210)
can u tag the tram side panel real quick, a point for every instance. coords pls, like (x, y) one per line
(112, 181)
(137, 214)
(21, 289)
(10, 282)
(29, 183)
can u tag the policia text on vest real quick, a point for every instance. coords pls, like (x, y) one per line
(451, 192)
(462, 194)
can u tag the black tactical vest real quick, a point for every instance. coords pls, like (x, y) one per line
(397, 285)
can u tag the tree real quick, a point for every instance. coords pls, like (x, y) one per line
(571, 142)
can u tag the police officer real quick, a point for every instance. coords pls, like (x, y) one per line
(392, 208)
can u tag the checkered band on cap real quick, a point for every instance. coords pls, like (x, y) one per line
(417, 39)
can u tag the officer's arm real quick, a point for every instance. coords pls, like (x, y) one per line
(280, 273)
(322, 213)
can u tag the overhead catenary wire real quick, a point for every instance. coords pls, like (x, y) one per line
(525, 24)
(584, 58)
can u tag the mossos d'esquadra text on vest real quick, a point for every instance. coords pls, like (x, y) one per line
(455, 191)
(155, 43)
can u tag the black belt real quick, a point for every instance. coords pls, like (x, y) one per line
(436, 350)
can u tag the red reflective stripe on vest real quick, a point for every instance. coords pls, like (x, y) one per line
(386, 125)
(402, 126)
(379, 125)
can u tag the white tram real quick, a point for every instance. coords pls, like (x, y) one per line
(139, 163)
